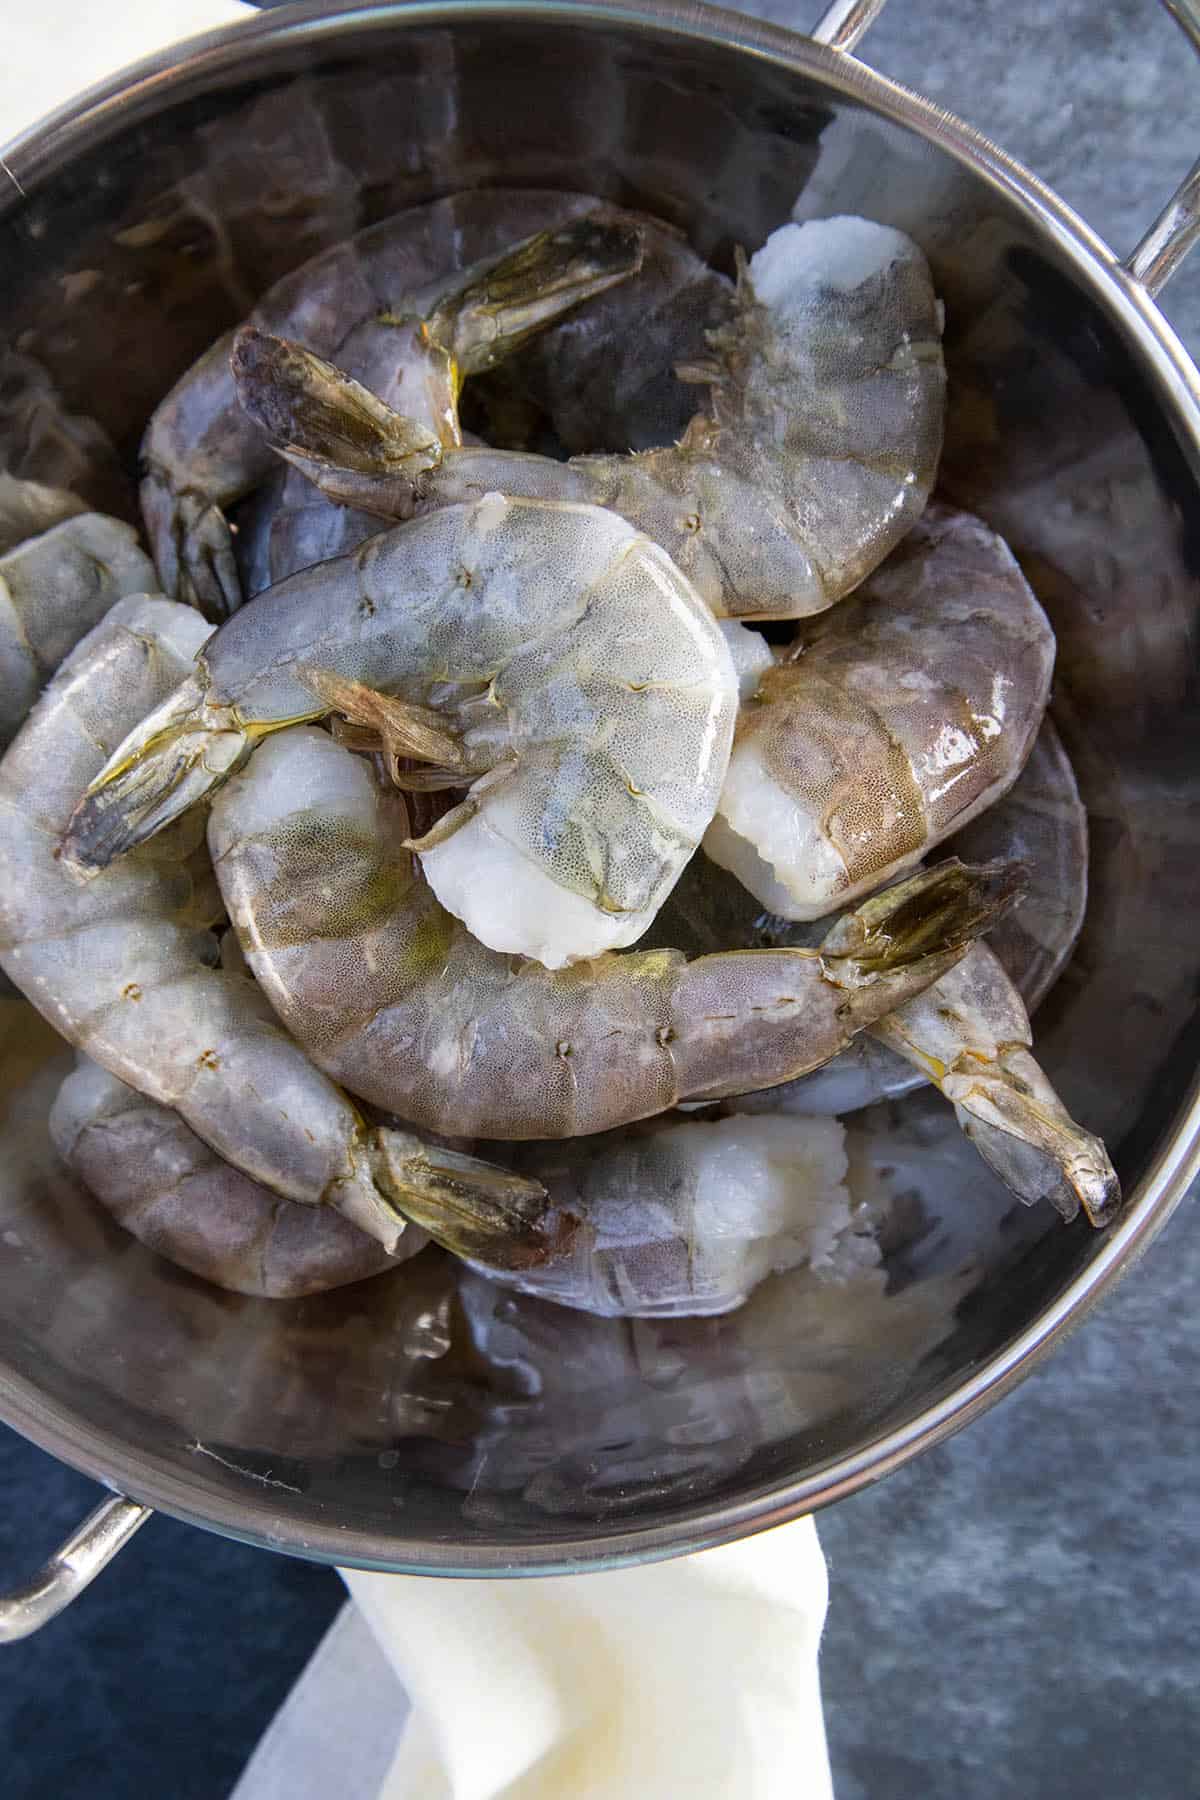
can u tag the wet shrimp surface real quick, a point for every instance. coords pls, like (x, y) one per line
(421, 844)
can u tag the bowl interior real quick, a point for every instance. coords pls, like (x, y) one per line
(426, 1421)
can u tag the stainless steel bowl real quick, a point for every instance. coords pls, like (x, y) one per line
(334, 1428)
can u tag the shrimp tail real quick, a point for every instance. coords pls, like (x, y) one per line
(937, 912)
(177, 756)
(1021, 1128)
(351, 445)
(534, 284)
(468, 1206)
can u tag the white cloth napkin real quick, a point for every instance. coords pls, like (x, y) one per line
(693, 1678)
(689, 1680)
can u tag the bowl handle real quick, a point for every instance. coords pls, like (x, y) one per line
(1177, 226)
(25, 1609)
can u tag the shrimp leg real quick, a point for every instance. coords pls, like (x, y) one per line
(123, 966)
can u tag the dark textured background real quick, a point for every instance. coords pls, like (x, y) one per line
(1017, 1614)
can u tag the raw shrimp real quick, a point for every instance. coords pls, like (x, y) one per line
(893, 723)
(688, 1218)
(410, 312)
(969, 1033)
(384, 988)
(54, 587)
(818, 453)
(27, 508)
(179, 1198)
(580, 679)
(41, 441)
(123, 967)
(1040, 823)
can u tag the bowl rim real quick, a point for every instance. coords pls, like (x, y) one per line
(214, 59)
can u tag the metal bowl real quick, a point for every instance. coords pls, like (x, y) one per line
(141, 222)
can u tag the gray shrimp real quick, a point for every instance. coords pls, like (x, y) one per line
(391, 996)
(42, 441)
(580, 685)
(817, 454)
(27, 508)
(123, 966)
(969, 1033)
(55, 586)
(410, 313)
(685, 1219)
(174, 1194)
(1041, 823)
(890, 724)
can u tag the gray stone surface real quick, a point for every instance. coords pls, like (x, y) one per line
(1017, 1614)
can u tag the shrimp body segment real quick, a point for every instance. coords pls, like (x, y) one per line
(53, 588)
(179, 1198)
(897, 720)
(394, 998)
(123, 966)
(592, 694)
(817, 454)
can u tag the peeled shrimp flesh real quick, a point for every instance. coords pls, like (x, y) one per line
(587, 693)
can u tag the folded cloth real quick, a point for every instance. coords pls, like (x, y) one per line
(55, 48)
(693, 1678)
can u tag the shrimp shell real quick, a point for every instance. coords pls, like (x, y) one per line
(594, 694)
(179, 1198)
(685, 1220)
(53, 588)
(895, 721)
(1040, 823)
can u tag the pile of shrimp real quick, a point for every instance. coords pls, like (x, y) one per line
(496, 803)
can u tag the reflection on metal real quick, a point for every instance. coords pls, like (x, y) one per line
(74, 1566)
(1170, 237)
(1177, 226)
(845, 22)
